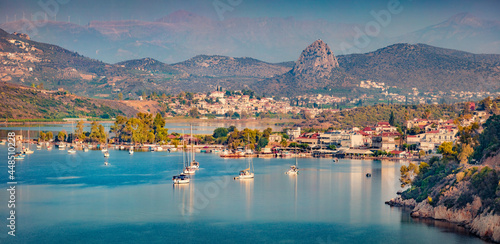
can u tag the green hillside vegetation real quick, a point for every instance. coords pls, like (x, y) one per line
(369, 115)
(452, 181)
(19, 102)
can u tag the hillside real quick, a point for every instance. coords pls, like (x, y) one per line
(221, 66)
(20, 102)
(456, 188)
(425, 67)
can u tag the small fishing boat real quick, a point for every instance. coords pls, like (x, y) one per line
(19, 156)
(106, 154)
(131, 150)
(71, 151)
(38, 147)
(85, 149)
(106, 163)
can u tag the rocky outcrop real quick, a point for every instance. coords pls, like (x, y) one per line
(399, 202)
(316, 60)
(486, 224)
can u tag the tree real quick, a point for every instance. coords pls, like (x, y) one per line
(220, 132)
(49, 136)
(94, 131)
(392, 119)
(80, 134)
(465, 152)
(408, 173)
(40, 86)
(421, 153)
(283, 142)
(120, 96)
(194, 112)
(446, 148)
(61, 136)
(262, 143)
(267, 132)
(103, 136)
(42, 136)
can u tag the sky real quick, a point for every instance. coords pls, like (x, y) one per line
(416, 14)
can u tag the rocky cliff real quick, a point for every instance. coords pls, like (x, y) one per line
(316, 60)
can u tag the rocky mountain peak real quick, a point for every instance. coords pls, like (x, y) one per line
(316, 60)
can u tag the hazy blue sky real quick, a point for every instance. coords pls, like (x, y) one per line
(416, 13)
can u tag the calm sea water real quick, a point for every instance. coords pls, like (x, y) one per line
(64, 198)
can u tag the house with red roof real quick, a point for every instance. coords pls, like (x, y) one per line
(398, 154)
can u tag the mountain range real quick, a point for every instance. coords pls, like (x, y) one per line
(406, 66)
(182, 35)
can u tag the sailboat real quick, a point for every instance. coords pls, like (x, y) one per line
(39, 145)
(131, 150)
(182, 178)
(27, 150)
(294, 170)
(72, 150)
(248, 172)
(194, 164)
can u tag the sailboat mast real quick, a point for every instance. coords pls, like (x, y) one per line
(183, 151)
(192, 146)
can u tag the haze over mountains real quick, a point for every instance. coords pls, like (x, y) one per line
(182, 35)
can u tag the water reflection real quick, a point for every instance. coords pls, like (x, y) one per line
(246, 188)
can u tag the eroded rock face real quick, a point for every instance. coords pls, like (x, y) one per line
(485, 225)
(316, 60)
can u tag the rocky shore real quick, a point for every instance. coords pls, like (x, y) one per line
(485, 225)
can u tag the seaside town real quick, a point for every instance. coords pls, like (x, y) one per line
(421, 138)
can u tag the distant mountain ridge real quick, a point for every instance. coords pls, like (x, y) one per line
(317, 69)
(181, 35)
(426, 67)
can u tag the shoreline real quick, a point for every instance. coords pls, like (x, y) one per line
(481, 225)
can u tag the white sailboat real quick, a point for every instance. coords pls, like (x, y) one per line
(248, 172)
(187, 170)
(182, 178)
(71, 149)
(131, 150)
(294, 170)
(194, 164)
(27, 150)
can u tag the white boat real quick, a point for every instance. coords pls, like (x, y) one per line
(189, 171)
(131, 151)
(106, 163)
(49, 147)
(47, 144)
(194, 164)
(104, 150)
(85, 149)
(19, 156)
(294, 170)
(159, 149)
(180, 179)
(71, 151)
(122, 147)
(38, 147)
(106, 154)
(27, 150)
(62, 146)
(246, 173)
